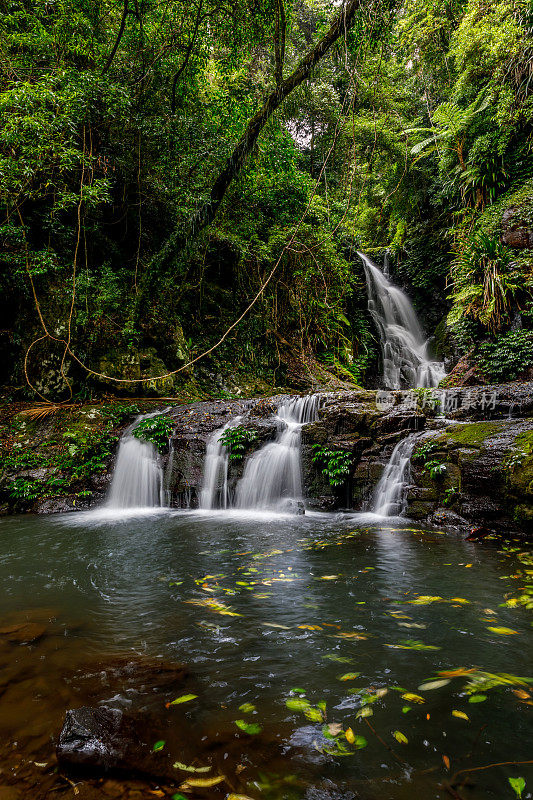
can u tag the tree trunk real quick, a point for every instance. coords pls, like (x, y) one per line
(235, 162)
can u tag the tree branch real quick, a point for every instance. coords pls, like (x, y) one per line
(244, 147)
(117, 40)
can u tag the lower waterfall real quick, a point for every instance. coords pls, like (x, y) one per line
(389, 498)
(138, 477)
(272, 478)
(214, 492)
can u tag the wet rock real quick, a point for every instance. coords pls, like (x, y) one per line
(103, 739)
(23, 632)
(92, 737)
(516, 232)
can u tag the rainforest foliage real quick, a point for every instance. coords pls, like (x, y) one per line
(162, 164)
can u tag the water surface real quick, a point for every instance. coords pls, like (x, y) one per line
(316, 598)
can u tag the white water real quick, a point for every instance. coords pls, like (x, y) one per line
(389, 498)
(406, 359)
(138, 477)
(272, 478)
(214, 493)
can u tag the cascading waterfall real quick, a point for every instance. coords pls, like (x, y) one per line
(214, 492)
(389, 498)
(406, 359)
(138, 477)
(272, 478)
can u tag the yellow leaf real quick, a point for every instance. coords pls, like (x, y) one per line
(400, 737)
(446, 762)
(460, 715)
(238, 797)
(202, 783)
(502, 631)
(413, 698)
(350, 735)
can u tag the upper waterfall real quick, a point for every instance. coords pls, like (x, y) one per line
(406, 359)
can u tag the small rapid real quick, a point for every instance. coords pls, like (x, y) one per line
(389, 497)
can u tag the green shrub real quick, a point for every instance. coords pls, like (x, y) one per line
(156, 430)
(508, 356)
(237, 440)
(336, 464)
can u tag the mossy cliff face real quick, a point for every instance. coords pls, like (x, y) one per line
(481, 471)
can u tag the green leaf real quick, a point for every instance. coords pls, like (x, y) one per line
(248, 727)
(247, 708)
(158, 746)
(518, 784)
(185, 698)
(477, 698)
(297, 704)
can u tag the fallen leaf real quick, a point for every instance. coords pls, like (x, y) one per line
(185, 698)
(413, 698)
(521, 693)
(158, 746)
(185, 768)
(400, 737)
(252, 728)
(425, 687)
(202, 783)
(460, 715)
(477, 698)
(365, 711)
(502, 631)
(247, 708)
(349, 676)
(518, 784)
(334, 728)
(446, 762)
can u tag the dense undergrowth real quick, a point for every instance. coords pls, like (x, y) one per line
(411, 136)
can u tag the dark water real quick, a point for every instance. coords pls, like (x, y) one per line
(318, 597)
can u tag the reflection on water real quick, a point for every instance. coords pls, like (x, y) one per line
(260, 605)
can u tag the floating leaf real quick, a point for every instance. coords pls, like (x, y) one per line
(314, 714)
(328, 578)
(425, 687)
(518, 784)
(400, 737)
(349, 676)
(247, 708)
(158, 746)
(446, 762)
(358, 741)
(350, 735)
(405, 709)
(238, 797)
(179, 796)
(365, 711)
(203, 783)
(502, 631)
(186, 768)
(251, 728)
(460, 715)
(477, 698)
(298, 690)
(413, 698)
(185, 698)
(297, 704)
(340, 659)
(425, 599)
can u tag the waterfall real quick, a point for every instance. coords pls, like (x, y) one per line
(406, 359)
(389, 498)
(138, 477)
(272, 478)
(214, 493)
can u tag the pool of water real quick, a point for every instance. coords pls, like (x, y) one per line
(320, 624)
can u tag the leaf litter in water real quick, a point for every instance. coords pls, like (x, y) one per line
(518, 784)
(501, 631)
(349, 676)
(185, 698)
(424, 687)
(252, 728)
(158, 746)
(187, 768)
(247, 708)
(400, 737)
(460, 715)
(202, 783)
